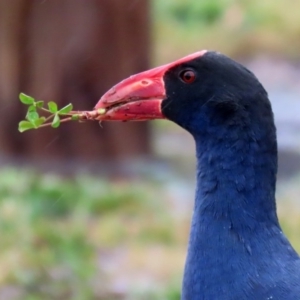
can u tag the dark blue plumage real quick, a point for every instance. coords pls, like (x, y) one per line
(237, 249)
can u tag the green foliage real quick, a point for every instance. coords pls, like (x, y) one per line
(25, 125)
(66, 109)
(236, 28)
(75, 117)
(52, 107)
(53, 257)
(56, 121)
(204, 12)
(52, 229)
(35, 121)
(27, 100)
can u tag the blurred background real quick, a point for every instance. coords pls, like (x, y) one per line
(103, 213)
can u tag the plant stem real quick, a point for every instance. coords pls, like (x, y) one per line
(45, 110)
(61, 121)
(49, 117)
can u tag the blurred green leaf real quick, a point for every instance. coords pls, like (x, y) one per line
(56, 121)
(66, 109)
(31, 108)
(52, 107)
(39, 104)
(38, 122)
(75, 117)
(25, 125)
(25, 99)
(32, 116)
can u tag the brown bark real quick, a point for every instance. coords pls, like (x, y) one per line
(71, 51)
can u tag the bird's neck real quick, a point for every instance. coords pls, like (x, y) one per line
(234, 210)
(236, 179)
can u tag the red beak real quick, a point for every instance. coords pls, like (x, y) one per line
(139, 97)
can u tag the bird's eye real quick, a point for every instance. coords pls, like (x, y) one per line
(187, 76)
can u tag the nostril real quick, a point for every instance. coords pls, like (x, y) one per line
(145, 82)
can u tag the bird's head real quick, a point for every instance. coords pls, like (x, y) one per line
(198, 92)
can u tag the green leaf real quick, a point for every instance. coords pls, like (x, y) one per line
(66, 109)
(25, 125)
(25, 99)
(32, 116)
(38, 122)
(31, 108)
(52, 107)
(75, 117)
(39, 104)
(56, 121)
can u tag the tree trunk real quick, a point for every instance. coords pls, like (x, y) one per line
(71, 51)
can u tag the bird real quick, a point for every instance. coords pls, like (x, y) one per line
(236, 247)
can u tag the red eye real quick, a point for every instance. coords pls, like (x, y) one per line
(188, 76)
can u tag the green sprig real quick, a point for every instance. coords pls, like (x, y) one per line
(55, 117)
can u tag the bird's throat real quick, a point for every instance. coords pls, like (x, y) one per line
(234, 209)
(236, 178)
